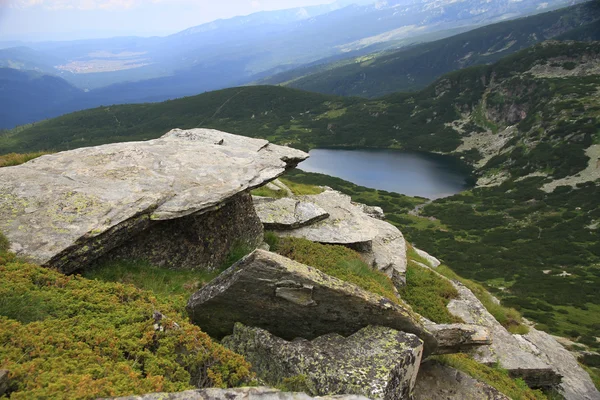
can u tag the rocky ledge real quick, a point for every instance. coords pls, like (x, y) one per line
(67, 209)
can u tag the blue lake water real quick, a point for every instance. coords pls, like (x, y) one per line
(412, 173)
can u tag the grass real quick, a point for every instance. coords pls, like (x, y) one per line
(301, 189)
(264, 191)
(12, 159)
(509, 317)
(337, 261)
(594, 374)
(496, 377)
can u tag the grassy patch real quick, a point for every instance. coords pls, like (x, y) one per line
(74, 338)
(301, 189)
(266, 192)
(594, 374)
(12, 159)
(496, 377)
(508, 317)
(337, 261)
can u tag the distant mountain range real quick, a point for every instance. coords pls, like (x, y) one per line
(232, 52)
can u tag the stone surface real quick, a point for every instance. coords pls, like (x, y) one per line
(376, 362)
(576, 383)
(505, 348)
(456, 338)
(288, 213)
(381, 243)
(293, 300)
(431, 260)
(246, 393)
(3, 381)
(439, 382)
(371, 211)
(66, 209)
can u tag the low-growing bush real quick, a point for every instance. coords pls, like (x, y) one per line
(67, 337)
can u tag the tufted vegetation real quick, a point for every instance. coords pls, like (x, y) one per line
(67, 337)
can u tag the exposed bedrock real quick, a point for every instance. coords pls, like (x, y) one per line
(376, 362)
(381, 243)
(457, 338)
(67, 209)
(439, 382)
(293, 300)
(287, 213)
(247, 393)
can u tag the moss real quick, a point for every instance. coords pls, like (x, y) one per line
(339, 262)
(70, 337)
(496, 377)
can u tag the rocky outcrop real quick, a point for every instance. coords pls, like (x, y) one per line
(431, 260)
(381, 243)
(439, 382)
(247, 393)
(505, 348)
(67, 209)
(576, 384)
(3, 381)
(376, 362)
(293, 300)
(457, 338)
(288, 213)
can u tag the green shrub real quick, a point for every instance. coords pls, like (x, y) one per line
(340, 262)
(67, 337)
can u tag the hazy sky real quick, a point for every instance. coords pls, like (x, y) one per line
(81, 19)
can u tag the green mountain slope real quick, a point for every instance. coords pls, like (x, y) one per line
(528, 124)
(414, 68)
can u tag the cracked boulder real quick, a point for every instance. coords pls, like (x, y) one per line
(67, 209)
(293, 300)
(287, 213)
(381, 243)
(375, 362)
(457, 338)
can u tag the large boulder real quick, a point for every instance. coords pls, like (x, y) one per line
(439, 382)
(376, 362)
(576, 384)
(67, 209)
(287, 213)
(506, 348)
(293, 300)
(247, 393)
(381, 243)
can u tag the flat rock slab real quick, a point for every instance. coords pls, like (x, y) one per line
(54, 207)
(288, 213)
(247, 393)
(576, 384)
(376, 362)
(456, 338)
(293, 300)
(439, 382)
(381, 243)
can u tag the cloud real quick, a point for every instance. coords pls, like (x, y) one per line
(255, 4)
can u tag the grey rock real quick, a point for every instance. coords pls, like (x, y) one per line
(371, 211)
(247, 393)
(589, 358)
(431, 260)
(576, 383)
(292, 300)
(381, 243)
(3, 381)
(439, 382)
(506, 348)
(288, 213)
(376, 362)
(456, 338)
(66, 209)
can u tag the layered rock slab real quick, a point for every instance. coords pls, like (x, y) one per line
(293, 300)
(381, 243)
(66, 209)
(439, 382)
(247, 393)
(457, 338)
(376, 362)
(287, 213)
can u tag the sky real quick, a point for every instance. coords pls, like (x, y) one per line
(41, 20)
